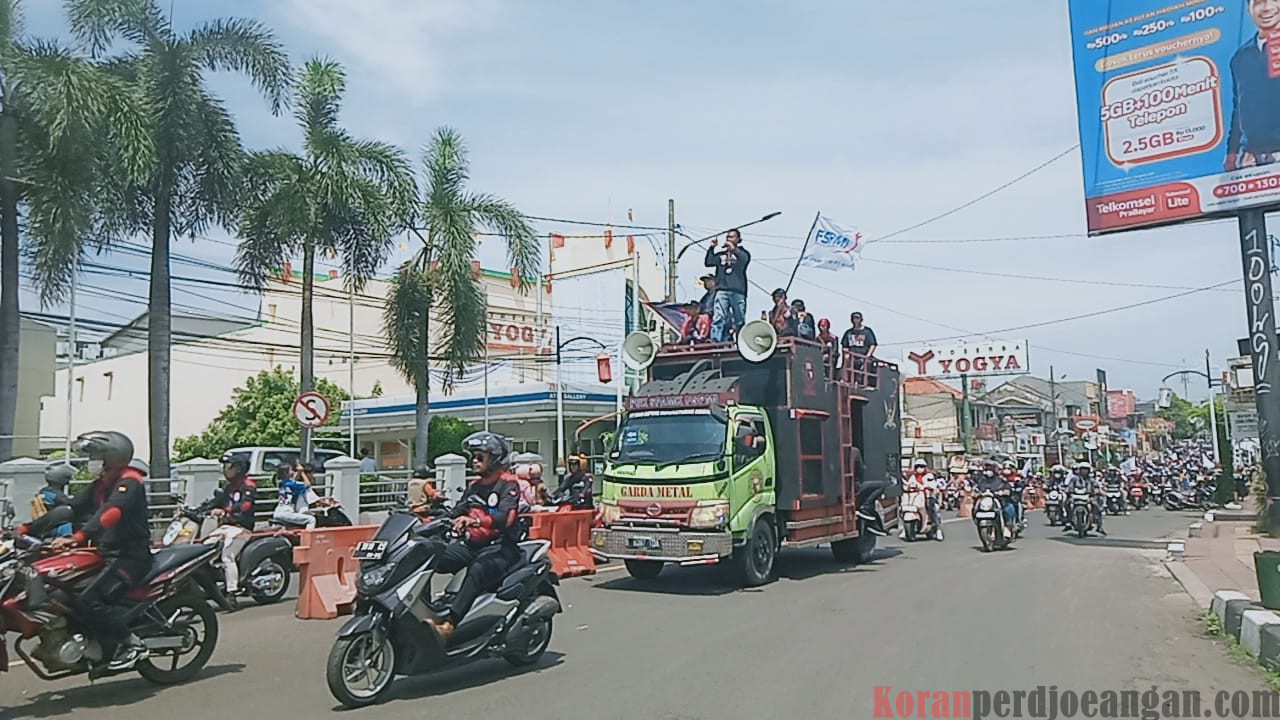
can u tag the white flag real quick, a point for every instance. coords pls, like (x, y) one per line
(831, 246)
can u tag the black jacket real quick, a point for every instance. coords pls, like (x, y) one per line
(497, 505)
(115, 514)
(237, 500)
(731, 274)
(575, 490)
(995, 483)
(1256, 102)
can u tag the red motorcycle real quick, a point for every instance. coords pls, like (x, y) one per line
(169, 612)
(1138, 496)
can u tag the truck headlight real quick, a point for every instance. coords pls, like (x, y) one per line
(610, 513)
(710, 514)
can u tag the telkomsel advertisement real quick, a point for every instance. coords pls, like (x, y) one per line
(1179, 106)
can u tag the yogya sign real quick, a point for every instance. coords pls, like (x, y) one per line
(986, 357)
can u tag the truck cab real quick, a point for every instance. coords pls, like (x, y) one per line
(722, 458)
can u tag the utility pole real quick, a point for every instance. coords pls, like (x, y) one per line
(671, 250)
(1053, 409)
(1213, 413)
(965, 423)
(1255, 257)
(71, 361)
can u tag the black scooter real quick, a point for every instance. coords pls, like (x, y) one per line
(390, 635)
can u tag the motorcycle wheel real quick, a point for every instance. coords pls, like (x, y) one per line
(913, 530)
(643, 569)
(198, 624)
(539, 641)
(360, 658)
(861, 549)
(277, 584)
(988, 537)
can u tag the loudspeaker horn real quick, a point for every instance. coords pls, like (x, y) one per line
(757, 340)
(638, 350)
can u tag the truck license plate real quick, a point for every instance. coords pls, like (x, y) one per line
(643, 543)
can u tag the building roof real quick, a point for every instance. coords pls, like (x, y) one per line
(132, 337)
(1073, 393)
(928, 386)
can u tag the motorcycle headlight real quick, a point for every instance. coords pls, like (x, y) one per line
(374, 578)
(986, 503)
(710, 514)
(610, 513)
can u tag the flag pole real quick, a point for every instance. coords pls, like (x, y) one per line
(806, 247)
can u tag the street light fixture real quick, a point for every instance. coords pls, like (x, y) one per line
(1211, 383)
(560, 456)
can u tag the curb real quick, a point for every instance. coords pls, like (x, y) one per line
(1255, 627)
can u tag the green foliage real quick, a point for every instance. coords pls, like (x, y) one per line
(1180, 412)
(447, 434)
(260, 413)
(377, 389)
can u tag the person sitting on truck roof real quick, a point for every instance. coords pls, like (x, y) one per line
(780, 316)
(829, 341)
(803, 320)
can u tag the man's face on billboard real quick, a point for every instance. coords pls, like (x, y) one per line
(1265, 13)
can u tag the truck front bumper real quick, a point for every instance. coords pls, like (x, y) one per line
(686, 547)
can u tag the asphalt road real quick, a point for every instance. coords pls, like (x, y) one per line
(1096, 614)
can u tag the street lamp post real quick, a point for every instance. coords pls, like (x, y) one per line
(560, 456)
(1213, 413)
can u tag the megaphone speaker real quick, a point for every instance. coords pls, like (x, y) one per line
(638, 351)
(757, 340)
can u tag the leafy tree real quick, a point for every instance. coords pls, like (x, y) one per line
(260, 413)
(1180, 413)
(196, 180)
(68, 132)
(440, 279)
(447, 434)
(342, 196)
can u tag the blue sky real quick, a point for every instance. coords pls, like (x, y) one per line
(879, 114)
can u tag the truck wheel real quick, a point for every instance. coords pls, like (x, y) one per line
(755, 559)
(643, 569)
(859, 550)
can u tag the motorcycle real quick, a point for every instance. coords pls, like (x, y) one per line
(170, 613)
(1174, 499)
(1115, 500)
(1138, 497)
(265, 561)
(1157, 494)
(389, 635)
(1081, 513)
(914, 512)
(1053, 507)
(989, 519)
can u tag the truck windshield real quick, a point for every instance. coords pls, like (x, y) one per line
(670, 439)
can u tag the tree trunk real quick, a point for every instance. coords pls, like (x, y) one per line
(422, 413)
(307, 361)
(10, 326)
(159, 335)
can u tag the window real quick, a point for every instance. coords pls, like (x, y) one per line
(526, 446)
(748, 428)
(273, 460)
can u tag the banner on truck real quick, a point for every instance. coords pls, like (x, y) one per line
(980, 357)
(1179, 108)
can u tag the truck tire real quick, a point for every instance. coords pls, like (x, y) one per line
(643, 569)
(755, 559)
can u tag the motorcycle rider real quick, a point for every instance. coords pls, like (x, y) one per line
(992, 480)
(1057, 477)
(1017, 486)
(232, 505)
(1082, 481)
(1115, 483)
(487, 519)
(116, 517)
(576, 487)
(54, 495)
(921, 480)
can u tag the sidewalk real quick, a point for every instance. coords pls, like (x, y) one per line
(1222, 557)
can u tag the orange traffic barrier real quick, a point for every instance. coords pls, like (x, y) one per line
(570, 536)
(327, 570)
(966, 505)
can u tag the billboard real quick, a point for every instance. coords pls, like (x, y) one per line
(979, 357)
(1179, 108)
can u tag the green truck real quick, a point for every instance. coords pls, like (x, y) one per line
(733, 453)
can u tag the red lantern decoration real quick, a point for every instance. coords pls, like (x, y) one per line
(604, 368)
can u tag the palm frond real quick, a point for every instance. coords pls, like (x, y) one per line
(404, 323)
(446, 165)
(275, 217)
(97, 22)
(210, 189)
(10, 22)
(524, 252)
(248, 47)
(321, 86)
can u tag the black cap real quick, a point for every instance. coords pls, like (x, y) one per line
(798, 304)
(779, 293)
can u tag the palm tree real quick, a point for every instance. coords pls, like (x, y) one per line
(341, 196)
(67, 131)
(196, 179)
(439, 278)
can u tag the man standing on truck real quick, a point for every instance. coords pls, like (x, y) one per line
(730, 311)
(859, 342)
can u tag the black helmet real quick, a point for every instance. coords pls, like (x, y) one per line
(111, 447)
(422, 472)
(59, 475)
(495, 446)
(239, 460)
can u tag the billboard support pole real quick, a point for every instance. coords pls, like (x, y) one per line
(1255, 254)
(965, 430)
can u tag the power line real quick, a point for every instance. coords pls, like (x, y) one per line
(1040, 278)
